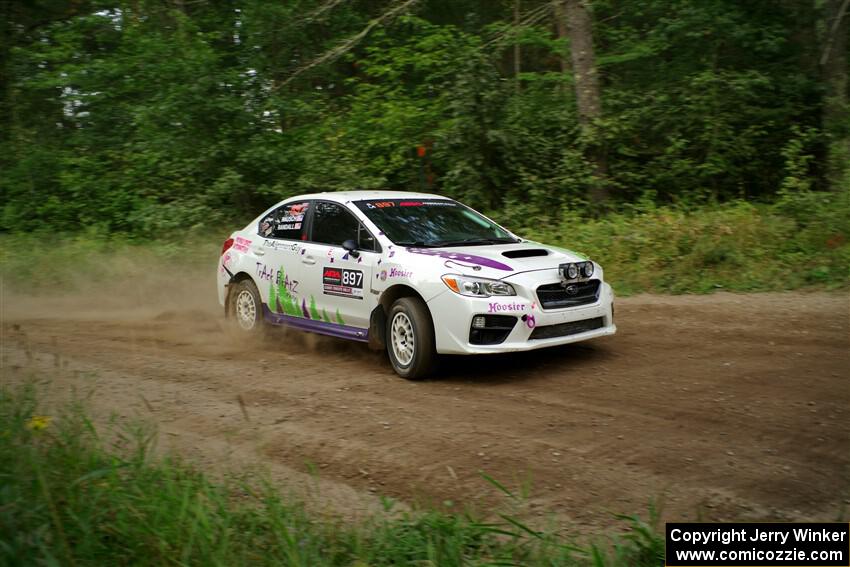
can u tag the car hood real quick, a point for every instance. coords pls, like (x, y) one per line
(497, 261)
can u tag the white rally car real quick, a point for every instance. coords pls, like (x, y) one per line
(414, 273)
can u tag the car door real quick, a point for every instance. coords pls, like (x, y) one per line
(278, 269)
(339, 280)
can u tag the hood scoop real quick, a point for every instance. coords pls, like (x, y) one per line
(525, 253)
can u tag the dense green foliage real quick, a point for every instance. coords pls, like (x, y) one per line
(70, 497)
(140, 116)
(796, 242)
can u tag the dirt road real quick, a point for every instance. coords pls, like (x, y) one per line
(723, 406)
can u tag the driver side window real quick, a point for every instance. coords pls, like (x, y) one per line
(334, 224)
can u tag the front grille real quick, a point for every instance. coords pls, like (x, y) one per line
(558, 296)
(566, 329)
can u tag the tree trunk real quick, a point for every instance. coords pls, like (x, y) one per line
(836, 110)
(5, 70)
(561, 28)
(580, 33)
(588, 98)
(517, 52)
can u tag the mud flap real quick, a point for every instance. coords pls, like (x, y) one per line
(378, 329)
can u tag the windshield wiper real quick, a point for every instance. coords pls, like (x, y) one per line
(463, 242)
(479, 241)
(422, 244)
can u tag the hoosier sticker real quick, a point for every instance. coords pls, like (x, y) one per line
(342, 282)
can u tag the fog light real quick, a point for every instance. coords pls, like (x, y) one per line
(478, 322)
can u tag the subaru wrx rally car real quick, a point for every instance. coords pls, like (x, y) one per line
(414, 273)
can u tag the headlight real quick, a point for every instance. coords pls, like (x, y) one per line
(477, 287)
(587, 269)
(572, 271)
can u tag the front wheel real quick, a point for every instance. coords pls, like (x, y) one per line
(410, 338)
(245, 308)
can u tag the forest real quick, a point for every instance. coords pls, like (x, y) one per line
(148, 118)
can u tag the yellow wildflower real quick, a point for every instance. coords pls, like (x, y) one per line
(39, 422)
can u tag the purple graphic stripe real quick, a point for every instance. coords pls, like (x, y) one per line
(314, 326)
(460, 257)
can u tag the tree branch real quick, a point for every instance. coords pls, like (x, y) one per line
(347, 45)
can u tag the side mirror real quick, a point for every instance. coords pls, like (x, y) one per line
(351, 247)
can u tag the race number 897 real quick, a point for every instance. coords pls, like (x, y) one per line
(352, 278)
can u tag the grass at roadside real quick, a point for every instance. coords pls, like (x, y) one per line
(52, 265)
(799, 242)
(802, 241)
(69, 497)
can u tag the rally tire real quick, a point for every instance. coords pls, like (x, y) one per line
(245, 308)
(410, 339)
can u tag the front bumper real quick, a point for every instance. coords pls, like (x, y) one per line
(453, 313)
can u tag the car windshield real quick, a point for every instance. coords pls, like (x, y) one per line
(432, 223)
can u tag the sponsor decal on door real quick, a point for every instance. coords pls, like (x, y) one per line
(342, 282)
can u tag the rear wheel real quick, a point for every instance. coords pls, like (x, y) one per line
(410, 338)
(245, 308)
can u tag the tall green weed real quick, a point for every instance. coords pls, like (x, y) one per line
(73, 494)
(800, 241)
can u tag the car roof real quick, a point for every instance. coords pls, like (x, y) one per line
(343, 196)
